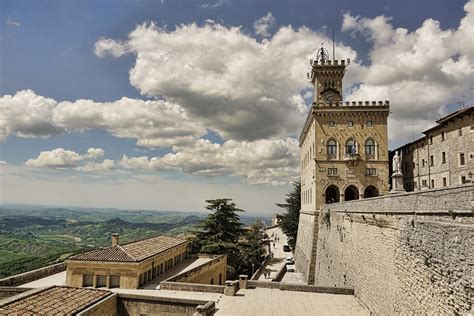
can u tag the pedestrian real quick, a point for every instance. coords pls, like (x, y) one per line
(273, 244)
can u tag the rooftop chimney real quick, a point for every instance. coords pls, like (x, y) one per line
(115, 239)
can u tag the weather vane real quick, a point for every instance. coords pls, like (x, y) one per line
(322, 56)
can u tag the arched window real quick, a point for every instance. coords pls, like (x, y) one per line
(332, 149)
(370, 148)
(350, 147)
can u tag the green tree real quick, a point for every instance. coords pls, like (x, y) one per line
(220, 231)
(251, 249)
(289, 220)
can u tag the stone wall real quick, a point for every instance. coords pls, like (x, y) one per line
(129, 304)
(105, 307)
(211, 272)
(9, 291)
(306, 241)
(403, 254)
(182, 286)
(30, 276)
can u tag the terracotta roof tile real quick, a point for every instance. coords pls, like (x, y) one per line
(54, 300)
(131, 252)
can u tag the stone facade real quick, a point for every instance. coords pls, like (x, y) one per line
(403, 254)
(444, 156)
(116, 272)
(344, 154)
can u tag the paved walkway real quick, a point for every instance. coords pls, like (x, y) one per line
(274, 302)
(276, 246)
(54, 279)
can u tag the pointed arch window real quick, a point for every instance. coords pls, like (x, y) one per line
(332, 149)
(351, 147)
(370, 148)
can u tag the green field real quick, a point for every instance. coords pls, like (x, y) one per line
(30, 239)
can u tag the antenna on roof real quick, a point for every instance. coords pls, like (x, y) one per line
(333, 50)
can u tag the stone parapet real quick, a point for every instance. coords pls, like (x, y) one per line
(33, 275)
(450, 200)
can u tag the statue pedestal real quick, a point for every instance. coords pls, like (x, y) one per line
(397, 183)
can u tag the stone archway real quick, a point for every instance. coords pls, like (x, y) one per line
(351, 193)
(370, 191)
(332, 194)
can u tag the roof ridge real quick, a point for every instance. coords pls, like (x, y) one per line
(126, 252)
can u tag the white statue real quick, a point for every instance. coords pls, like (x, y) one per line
(396, 163)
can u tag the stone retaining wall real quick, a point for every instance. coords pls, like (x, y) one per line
(404, 254)
(181, 286)
(8, 291)
(33, 275)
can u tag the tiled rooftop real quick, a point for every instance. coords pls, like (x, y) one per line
(131, 252)
(58, 300)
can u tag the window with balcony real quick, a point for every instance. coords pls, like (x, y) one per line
(370, 149)
(332, 149)
(351, 147)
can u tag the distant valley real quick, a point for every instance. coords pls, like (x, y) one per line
(35, 236)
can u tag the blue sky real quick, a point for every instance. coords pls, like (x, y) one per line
(58, 50)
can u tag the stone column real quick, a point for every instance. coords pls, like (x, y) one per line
(243, 279)
(230, 288)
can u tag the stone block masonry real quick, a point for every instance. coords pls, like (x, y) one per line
(403, 254)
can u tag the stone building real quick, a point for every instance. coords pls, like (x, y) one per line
(344, 150)
(444, 157)
(126, 266)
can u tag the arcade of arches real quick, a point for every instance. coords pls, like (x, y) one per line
(332, 193)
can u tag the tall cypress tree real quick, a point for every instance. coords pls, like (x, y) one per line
(289, 220)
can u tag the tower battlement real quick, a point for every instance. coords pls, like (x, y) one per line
(351, 103)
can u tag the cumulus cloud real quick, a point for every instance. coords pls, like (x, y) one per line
(271, 161)
(108, 47)
(152, 123)
(57, 158)
(27, 115)
(61, 158)
(262, 25)
(226, 79)
(419, 71)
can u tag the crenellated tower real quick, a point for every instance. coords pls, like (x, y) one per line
(344, 152)
(326, 77)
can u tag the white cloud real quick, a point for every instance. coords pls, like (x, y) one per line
(224, 78)
(13, 23)
(27, 115)
(152, 123)
(57, 158)
(93, 153)
(419, 71)
(262, 25)
(108, 47)
(272, 161)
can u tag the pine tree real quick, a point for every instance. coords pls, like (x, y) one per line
(289, 220)
(220, 231)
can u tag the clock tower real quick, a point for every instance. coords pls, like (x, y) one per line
(326, 77)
